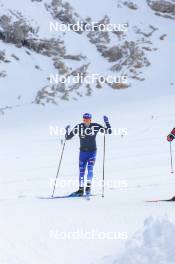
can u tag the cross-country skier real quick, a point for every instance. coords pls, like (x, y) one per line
(87, 132)
(171, 136)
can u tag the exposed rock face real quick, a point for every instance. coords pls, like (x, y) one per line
(98, 37)
(126, 55)
(62, 11)
(75, 57)
(51, 93)
(46, 47)
(23, 35)
(133, 57)
(15, 32)
(3, 74)
(119, 53)
(130, 5)
(163, 8)
(148, 34)
(113, 54)
(15, 57)
(2, 56)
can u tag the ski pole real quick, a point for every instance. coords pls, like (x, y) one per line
(59, 166)
(171, 157)
(104, 154)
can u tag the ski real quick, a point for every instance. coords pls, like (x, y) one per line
(161, 200)
(68, 196)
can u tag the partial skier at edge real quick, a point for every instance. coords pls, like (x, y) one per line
(171, 136)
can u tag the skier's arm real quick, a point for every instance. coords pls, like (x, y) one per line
(107, 129)
(72, 133)
(171, 136)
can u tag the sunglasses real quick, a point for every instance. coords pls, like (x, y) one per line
(86, 120)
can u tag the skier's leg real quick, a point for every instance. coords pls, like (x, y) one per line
(91, 163)
(82, 168)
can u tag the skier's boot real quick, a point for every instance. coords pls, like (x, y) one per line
(80, 192)
(88, 189)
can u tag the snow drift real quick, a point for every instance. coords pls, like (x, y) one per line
(153, 244)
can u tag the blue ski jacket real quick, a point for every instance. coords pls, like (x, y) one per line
(87, 135)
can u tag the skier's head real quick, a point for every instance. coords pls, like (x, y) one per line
(87, 118)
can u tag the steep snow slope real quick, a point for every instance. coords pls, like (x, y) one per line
(144, 29)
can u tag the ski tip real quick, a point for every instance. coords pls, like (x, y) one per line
(44, 197)
(163, 200)
(152, 201)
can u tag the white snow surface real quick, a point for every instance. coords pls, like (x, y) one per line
(151, 244)
(29, 158)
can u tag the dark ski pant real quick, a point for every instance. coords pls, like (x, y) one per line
(86, 159)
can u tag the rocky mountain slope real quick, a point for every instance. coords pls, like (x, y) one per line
(32, 54)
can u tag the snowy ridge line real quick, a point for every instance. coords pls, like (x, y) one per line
(9, 107)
